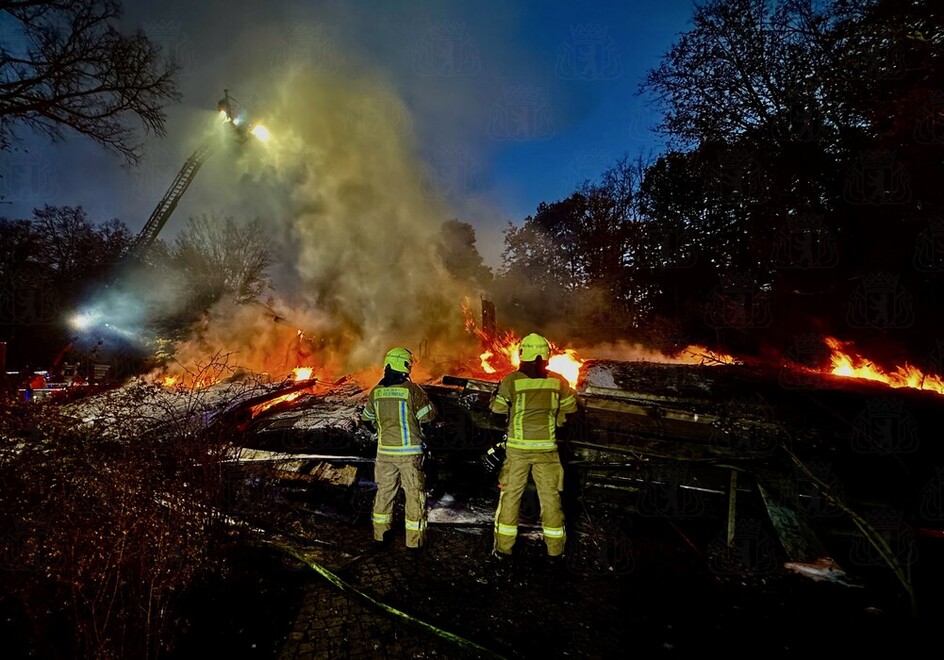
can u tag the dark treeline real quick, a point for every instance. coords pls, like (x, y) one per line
(53, 264)
(801, 194)
(799, 197)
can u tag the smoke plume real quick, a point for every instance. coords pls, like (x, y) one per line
(354, 227)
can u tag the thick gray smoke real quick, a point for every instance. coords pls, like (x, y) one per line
(354, 227)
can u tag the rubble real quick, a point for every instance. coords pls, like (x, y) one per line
(741, 476)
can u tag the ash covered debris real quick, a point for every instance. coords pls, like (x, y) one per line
(678, 491)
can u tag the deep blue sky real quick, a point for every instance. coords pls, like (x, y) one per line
(511, 103)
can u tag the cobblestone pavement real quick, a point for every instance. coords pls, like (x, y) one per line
(646, 591)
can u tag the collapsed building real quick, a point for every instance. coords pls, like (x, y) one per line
(756, 467)
(833, 478)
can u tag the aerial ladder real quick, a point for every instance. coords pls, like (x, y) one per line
(231, 114)
(168, 203)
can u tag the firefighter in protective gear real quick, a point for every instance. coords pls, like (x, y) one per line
(537, 402)
(397, 407)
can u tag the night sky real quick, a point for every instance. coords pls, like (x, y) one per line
(507, 104)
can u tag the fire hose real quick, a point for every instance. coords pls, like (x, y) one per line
(468, 645)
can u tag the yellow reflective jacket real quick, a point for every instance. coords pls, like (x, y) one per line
(397, 411)
(535, 408)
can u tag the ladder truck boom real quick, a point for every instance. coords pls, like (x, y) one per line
(168, 203)
(233, 115)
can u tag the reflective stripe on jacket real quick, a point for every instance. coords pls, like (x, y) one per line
(535, 408)
(397, 411)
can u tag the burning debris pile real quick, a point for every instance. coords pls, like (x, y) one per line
(761, 470)
(698, 421)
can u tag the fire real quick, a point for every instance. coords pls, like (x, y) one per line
(255, 410)
(169, 381)
(299, 374)
(567, 364)
(501, 354)
(302, 373)
(852, 365)
(695, 354)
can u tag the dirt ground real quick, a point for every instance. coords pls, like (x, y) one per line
(630, 586)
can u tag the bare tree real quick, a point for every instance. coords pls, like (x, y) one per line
(219, 257)
(74, 70)
(756, 66)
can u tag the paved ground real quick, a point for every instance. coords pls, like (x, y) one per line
(647, 591)
(632, 585)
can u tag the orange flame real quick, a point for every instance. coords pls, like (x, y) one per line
(255, 410)
(695, 354)
(567, 364)
(501, 353)
(852, 365)
(303, 373)
(298, 374)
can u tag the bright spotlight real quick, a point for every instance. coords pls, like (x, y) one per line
(260, 132)
(86, 320)
(80, 321)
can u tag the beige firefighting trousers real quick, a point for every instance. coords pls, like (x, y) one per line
(548, 474)
(390, 473)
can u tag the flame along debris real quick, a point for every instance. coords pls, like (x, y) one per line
(500, 357)
(845, 362)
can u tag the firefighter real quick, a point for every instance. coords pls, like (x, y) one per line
(397, 407)
(536, 402)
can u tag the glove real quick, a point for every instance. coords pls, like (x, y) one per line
(494, 457)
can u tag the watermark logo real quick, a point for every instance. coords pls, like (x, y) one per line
(673, 240)
(929, 128)
(929, 247)
(751, 552)
(891, 539)
(804, 123)
(453, 173)
(888, 63)
(13, 37)
(308, 44)
(935, 362)
(639, 122)
(738, 175)
(157, 172)
(879, 301)
(455, 431)
(28, 177)
(932, 497)
(523, 113)
(817, 488)
(807, 354)
(25, 302)
(377, 112)
(737, 302)
(601, 545)
(585, 166)
(590, 53)
(885, 426)
(447, 51)
(663, 495)
(805, 243)
(876, 179)
(746, 426)
(174, 43)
